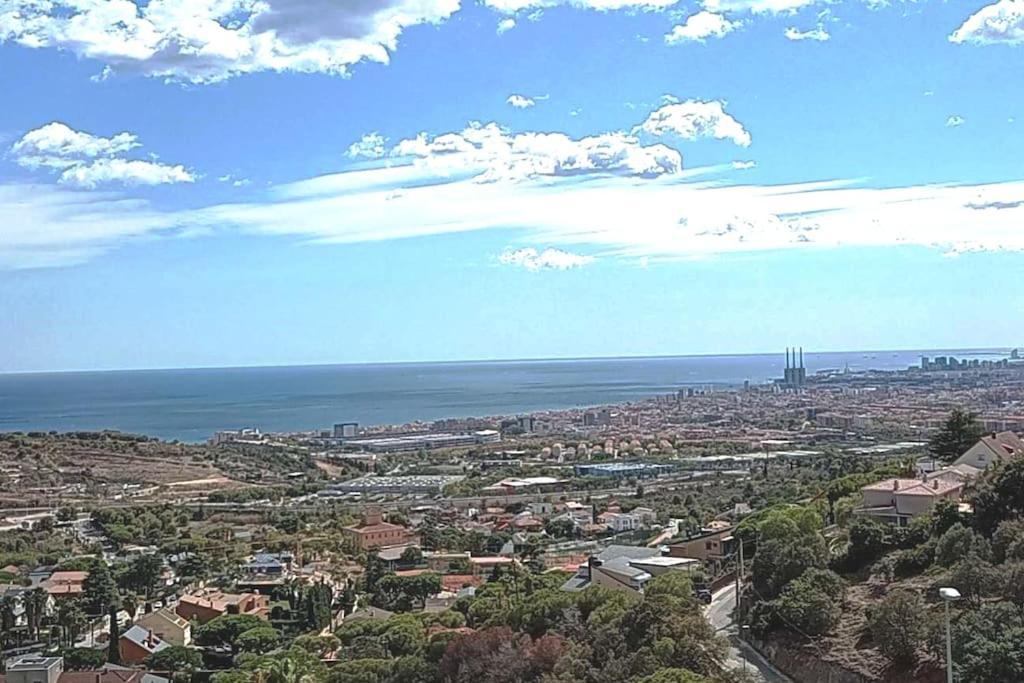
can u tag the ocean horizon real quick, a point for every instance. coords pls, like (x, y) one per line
(190, 404)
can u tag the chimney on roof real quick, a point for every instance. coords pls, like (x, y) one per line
(895, 484)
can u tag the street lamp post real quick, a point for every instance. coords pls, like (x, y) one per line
(949, 595)
(744, 631)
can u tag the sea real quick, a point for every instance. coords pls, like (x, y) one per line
(191, 404)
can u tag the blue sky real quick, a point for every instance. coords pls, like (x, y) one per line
(225, 182)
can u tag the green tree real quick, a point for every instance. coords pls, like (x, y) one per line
(779, 561)
(999, 496)
(974, 578)
(988, 644)
(411, 556)
(674, 676)
(99, 590)
(955, 544)
(869, 538)
(360, 671)
(292, 666)
(83, 658)
(114, 641)
(225, 629)
(174, 659)
(259, 639)
(811, 603)
(960, 431)
(142, 574)
(898, 626)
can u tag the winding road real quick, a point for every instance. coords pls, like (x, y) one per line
(740, 655)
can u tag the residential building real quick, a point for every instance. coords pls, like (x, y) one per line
(269, 564)
(714, 544)
(35, 669)
(991, 449)
(898, 500)
(137, 644)
(168, 626)
(64, 584)
(619, 521)
(626, 568)
(210, 605)
(376, 533)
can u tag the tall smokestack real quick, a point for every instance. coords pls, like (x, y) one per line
(801, 357)
(787, 358)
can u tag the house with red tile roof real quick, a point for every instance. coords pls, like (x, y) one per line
(376, 533)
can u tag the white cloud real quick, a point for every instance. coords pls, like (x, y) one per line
(955, 121)
(758, 6)
(1000, 22)
(515, 6)
(701, 26)
(680, 217)
(819, 34)
(505, 25)
(695, 119)
(744, 165)
(55, 145)
(489, 153)
(89, 161)
(370, 146)
(520, 101)
(606, 195)
(47, 226)
(128, 172)
(549, 259)
(209, 40)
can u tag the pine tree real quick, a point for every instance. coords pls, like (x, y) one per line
(957, 435)
(113, 646)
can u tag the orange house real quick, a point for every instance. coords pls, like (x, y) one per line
(203, 608)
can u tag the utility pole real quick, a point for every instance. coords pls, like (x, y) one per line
(739, 576)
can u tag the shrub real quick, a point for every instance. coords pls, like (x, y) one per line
(955, 544)
(810, 604)
(898, 626)
(913, 561)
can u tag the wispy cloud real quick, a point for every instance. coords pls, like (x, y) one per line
(520, 101)
(818, 34)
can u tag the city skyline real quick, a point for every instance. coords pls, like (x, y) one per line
(230, 183)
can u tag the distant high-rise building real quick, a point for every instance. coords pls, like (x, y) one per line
(346, 430)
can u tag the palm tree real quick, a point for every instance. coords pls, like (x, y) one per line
(6, 620)
(72, 621)
(35, 602)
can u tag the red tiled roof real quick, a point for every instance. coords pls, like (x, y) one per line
(456, 582)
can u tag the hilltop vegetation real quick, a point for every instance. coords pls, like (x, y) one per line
(866, 596)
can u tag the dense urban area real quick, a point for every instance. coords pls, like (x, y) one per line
(799, 530)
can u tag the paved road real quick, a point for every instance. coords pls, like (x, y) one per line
(740, 655)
